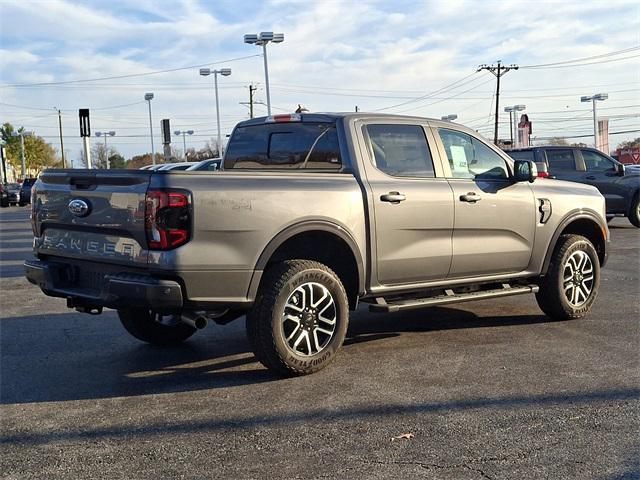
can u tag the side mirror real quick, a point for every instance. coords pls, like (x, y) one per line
(524, 171)
(619, 169)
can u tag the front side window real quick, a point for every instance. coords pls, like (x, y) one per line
(401, 150)
(292, 145)
(470, 158)
(560, 159)
(594, 162)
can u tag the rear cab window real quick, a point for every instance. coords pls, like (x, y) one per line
(281, 146)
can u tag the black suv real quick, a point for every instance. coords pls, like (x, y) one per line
(620, 188)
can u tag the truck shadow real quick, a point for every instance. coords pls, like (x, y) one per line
(72, 356)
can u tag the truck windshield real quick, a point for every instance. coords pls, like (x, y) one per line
(284, 146)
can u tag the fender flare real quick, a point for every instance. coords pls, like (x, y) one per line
(302, 227)
(571, 217)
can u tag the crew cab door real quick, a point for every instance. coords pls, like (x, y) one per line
(411, 202)
(601, 173)
(562, 164)
(494, 216)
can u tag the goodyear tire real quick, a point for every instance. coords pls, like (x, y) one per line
(572, 281)
(154, 328)
(299, 319)
(634, 212)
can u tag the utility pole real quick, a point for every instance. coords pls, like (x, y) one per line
(61, 142)
(251, 90)
(251, 102)
(498, 70)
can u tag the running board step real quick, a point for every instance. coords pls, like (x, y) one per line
(381, 305)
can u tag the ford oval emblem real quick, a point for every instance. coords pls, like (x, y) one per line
(79, 207)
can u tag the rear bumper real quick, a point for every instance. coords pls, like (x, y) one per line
(106, 289)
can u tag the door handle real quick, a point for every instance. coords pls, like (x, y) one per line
(470, 197)
(591, 177)
(393, 197)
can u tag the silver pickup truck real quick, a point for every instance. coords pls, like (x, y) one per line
(311, 215)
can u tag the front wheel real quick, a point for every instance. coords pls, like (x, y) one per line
(154, 328)
(634, 212)
(572, 281)
(300, 317)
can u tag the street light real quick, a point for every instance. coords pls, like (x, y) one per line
(148, 97)
(262, 39)
(594, 98)
(449, 118)
(22, 134)
(513, 122)
(225, 72)
(110, 133)
(184, 141)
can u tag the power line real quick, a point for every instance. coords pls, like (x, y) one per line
(424, 97)
(131, 75)
(575, 60)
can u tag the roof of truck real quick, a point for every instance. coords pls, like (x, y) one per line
(333, 116)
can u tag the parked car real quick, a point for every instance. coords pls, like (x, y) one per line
(619, 184)
(311, 215)
(13, 191)
(25, 191)
(4, 196)
(176, 166)
(210, 165)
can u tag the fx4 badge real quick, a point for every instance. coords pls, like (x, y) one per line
(79, 207)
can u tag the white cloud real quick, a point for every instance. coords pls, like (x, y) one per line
(378, 49)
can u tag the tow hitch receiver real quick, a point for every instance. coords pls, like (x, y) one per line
(83, 307)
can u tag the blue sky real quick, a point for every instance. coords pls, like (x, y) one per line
(336, 55)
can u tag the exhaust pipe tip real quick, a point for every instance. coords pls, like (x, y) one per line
(194, 320)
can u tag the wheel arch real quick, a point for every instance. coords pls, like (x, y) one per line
(323, 241)
(583, 223)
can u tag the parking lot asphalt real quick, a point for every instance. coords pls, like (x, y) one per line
(487, 390)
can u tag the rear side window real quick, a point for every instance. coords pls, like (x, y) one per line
(284, 146)
(522, 155)
(401, 150)
(560, 159)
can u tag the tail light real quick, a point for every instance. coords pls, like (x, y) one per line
(167, 218)
(543, 174)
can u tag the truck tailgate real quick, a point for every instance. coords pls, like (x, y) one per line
(91, 214)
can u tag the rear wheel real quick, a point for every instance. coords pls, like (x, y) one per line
(154, 328)
(634, 212)
(572, 281)
(300, 317)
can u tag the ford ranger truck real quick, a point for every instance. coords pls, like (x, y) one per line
(311, 215)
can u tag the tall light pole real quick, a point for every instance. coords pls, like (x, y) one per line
(225, 72)
(513, 122)
(148, 97)
(449, 118)
(22, 155)
(261, 39)
(594, 99)
(184, 133)
(110, 133)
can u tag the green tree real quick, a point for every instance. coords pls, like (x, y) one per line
(116, 160)
(37, 152)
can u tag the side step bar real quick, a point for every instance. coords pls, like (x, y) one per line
(381, 305)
